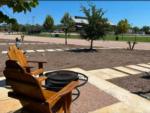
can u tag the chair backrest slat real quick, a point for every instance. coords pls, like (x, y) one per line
(22, 82)
(15, 54)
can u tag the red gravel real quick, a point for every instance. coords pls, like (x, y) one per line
(91, 98)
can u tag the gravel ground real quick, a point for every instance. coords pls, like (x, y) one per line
(91, 60)
(84, 59)
(135, 83)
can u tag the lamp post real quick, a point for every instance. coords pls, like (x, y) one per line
(33, 17)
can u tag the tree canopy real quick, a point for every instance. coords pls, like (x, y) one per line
(123, 26)
(16, 6)
(48, 23)
(146, 29)
(15, 27)
(67, 23)
(136, 29)
(97, 24)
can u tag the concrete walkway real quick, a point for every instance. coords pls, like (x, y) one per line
(105, 44)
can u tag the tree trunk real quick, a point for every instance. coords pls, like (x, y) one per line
(129, 45)
(91, 46)
(122, 36)
(135, 38)
(133, 45)
(65, 38)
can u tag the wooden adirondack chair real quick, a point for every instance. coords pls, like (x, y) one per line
(16, 54)
(29, 89)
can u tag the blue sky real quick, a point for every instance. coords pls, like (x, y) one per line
(138, 13)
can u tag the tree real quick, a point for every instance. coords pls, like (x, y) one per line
(15, 27)
(23, 28)
(97, 24)
(123, 27)
(48, 23)
(16, 6)
(67, 23)
(146, 29)
(135, 30)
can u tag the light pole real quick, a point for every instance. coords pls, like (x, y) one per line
(33, 17)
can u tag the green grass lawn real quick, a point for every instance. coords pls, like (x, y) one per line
(128, 38)
(60, 36)
(107, 37)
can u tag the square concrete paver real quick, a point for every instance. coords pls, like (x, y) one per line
(116, 108)
(139, 68)
(127, 70)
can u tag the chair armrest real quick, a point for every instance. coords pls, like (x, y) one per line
(67, 89)
(37, 71)
(40, 63)
(40, 79)
(27, 68)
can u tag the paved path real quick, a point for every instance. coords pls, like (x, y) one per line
(106, 44)
(54, 50)
(121, 71)
(31, 43)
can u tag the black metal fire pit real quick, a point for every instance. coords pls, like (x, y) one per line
(59, 79)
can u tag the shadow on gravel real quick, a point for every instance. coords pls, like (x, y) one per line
(145, 95)
(146, 76)
(83, 50)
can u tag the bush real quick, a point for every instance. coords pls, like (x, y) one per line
(56, 35)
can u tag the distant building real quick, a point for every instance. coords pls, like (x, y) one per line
(79, 22)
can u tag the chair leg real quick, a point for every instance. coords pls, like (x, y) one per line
(67, 103)
(40, 66)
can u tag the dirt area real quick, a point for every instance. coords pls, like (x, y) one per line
(138, 84)
(13, 41)
(35, 46)
(91, 60)
(40, 46)
(87, 60)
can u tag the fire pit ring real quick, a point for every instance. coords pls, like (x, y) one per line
(58, 79)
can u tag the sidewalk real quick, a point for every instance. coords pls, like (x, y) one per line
(105, 44)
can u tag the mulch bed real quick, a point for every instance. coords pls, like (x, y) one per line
(138, 84)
